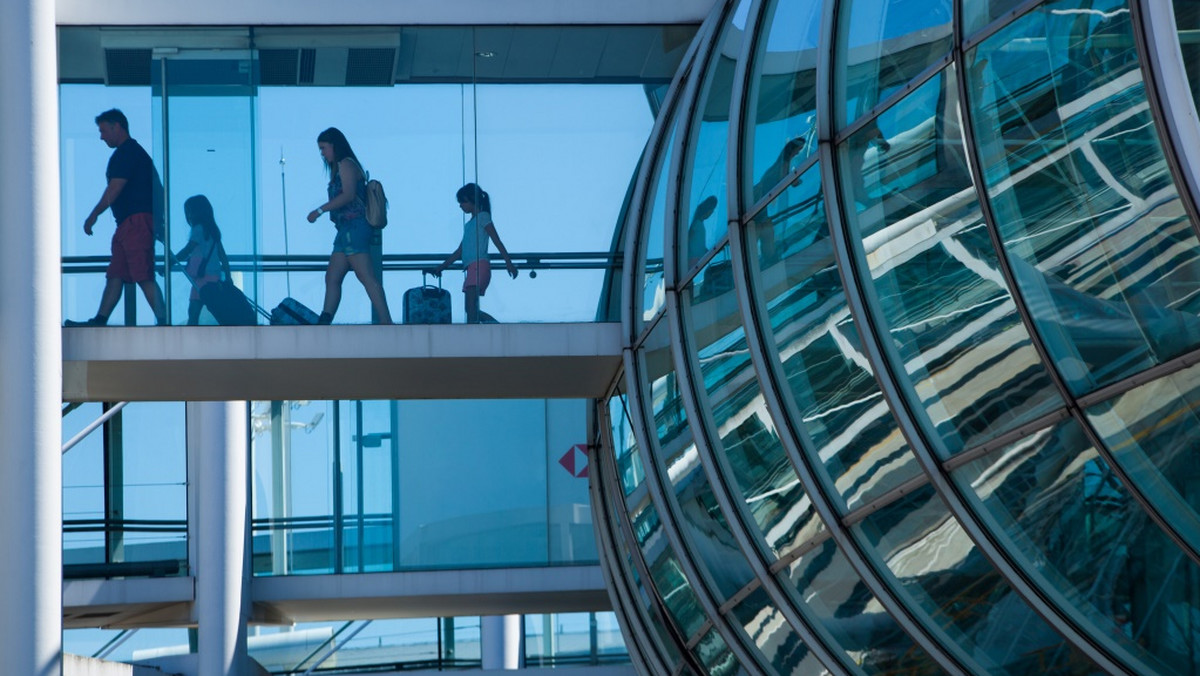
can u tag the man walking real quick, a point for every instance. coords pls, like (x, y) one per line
(132, 185)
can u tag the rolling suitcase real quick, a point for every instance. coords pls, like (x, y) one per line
(427, 304)
(291, 312)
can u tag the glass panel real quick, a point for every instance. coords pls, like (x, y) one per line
(1098, 240)
(840, 407)
(1187, 21)
(781, 109)
(562, 639)
(138, 644)
(1153, 432)
(672, 584)
(882, 45)
(653, 233)
(125, 492)
(702, 208)
(666, 402)
(774, 637)
(1064, 510)
(82, 165)
(979, 13)
(352, 486)
(938, 288)
(208, 133)
(83, 489)
(939, 565)
(832, 593)
(730, 389)
(716, 657)
(628, 455)
(646, 604)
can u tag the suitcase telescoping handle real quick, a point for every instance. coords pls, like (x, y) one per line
(425, 280)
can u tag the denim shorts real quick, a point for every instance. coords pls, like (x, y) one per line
(353, 237)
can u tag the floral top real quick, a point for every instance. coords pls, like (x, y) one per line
(357, 208)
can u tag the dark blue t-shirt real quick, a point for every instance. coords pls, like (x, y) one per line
(131, 162)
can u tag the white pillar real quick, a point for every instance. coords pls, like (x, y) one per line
(30, 344)
(500, 642)
(222, 600)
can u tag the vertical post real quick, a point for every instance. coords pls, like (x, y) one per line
(222, 599)
(31, 340)
(500, 641)
(114, 488)
(281, 486)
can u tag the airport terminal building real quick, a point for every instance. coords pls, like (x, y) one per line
(848, 336)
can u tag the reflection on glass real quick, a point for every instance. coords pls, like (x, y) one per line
(125, 492)
(647, 607)
(1068, 514)
(666, 400)
(702, 208)
(716, 657)
(670, 581)
(1098, 240)
(769, 630)
(653, 231)
(937, 284)
(1187, 21)
(629, 458)
(562, 639)
(730, 389)
(979, 13)
(361, 486)
(882, 45)
(835, 596)
(1153, 431)
(781, 125)
(938, 564)
(839, 404)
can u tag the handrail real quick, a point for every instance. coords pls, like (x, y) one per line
(92, 426)
(529, 260)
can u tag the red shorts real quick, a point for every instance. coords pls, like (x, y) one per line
(133, 249)
(479, 275)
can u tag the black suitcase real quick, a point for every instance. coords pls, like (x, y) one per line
(291, 312)
(227, 304)
(427, 304)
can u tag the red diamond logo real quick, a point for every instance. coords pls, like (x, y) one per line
(575, 461)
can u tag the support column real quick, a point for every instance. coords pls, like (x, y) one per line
(500, 641)
(30, 344)
(222, 581)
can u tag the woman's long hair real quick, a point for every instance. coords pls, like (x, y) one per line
(199, 211)
(341, 147)
(476, 195)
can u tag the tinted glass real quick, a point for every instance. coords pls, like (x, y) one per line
(730, 389)
(1065, 511)
(1099, 243)
(768, 629)
(834, 595)
(781, 103)
(882, 45)
(1154, 432)
(936, 562)
(839, 406)
(937, 286)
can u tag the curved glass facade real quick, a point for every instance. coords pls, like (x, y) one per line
(911, 380)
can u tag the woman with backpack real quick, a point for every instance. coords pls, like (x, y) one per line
(346, 206)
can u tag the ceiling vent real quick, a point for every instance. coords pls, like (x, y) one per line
(278, 66)
(308, 66)
(127, 67)
(370, 66)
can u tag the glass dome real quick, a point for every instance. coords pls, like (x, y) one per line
(912, 310)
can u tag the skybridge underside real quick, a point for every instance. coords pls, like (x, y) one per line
(483, 361)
